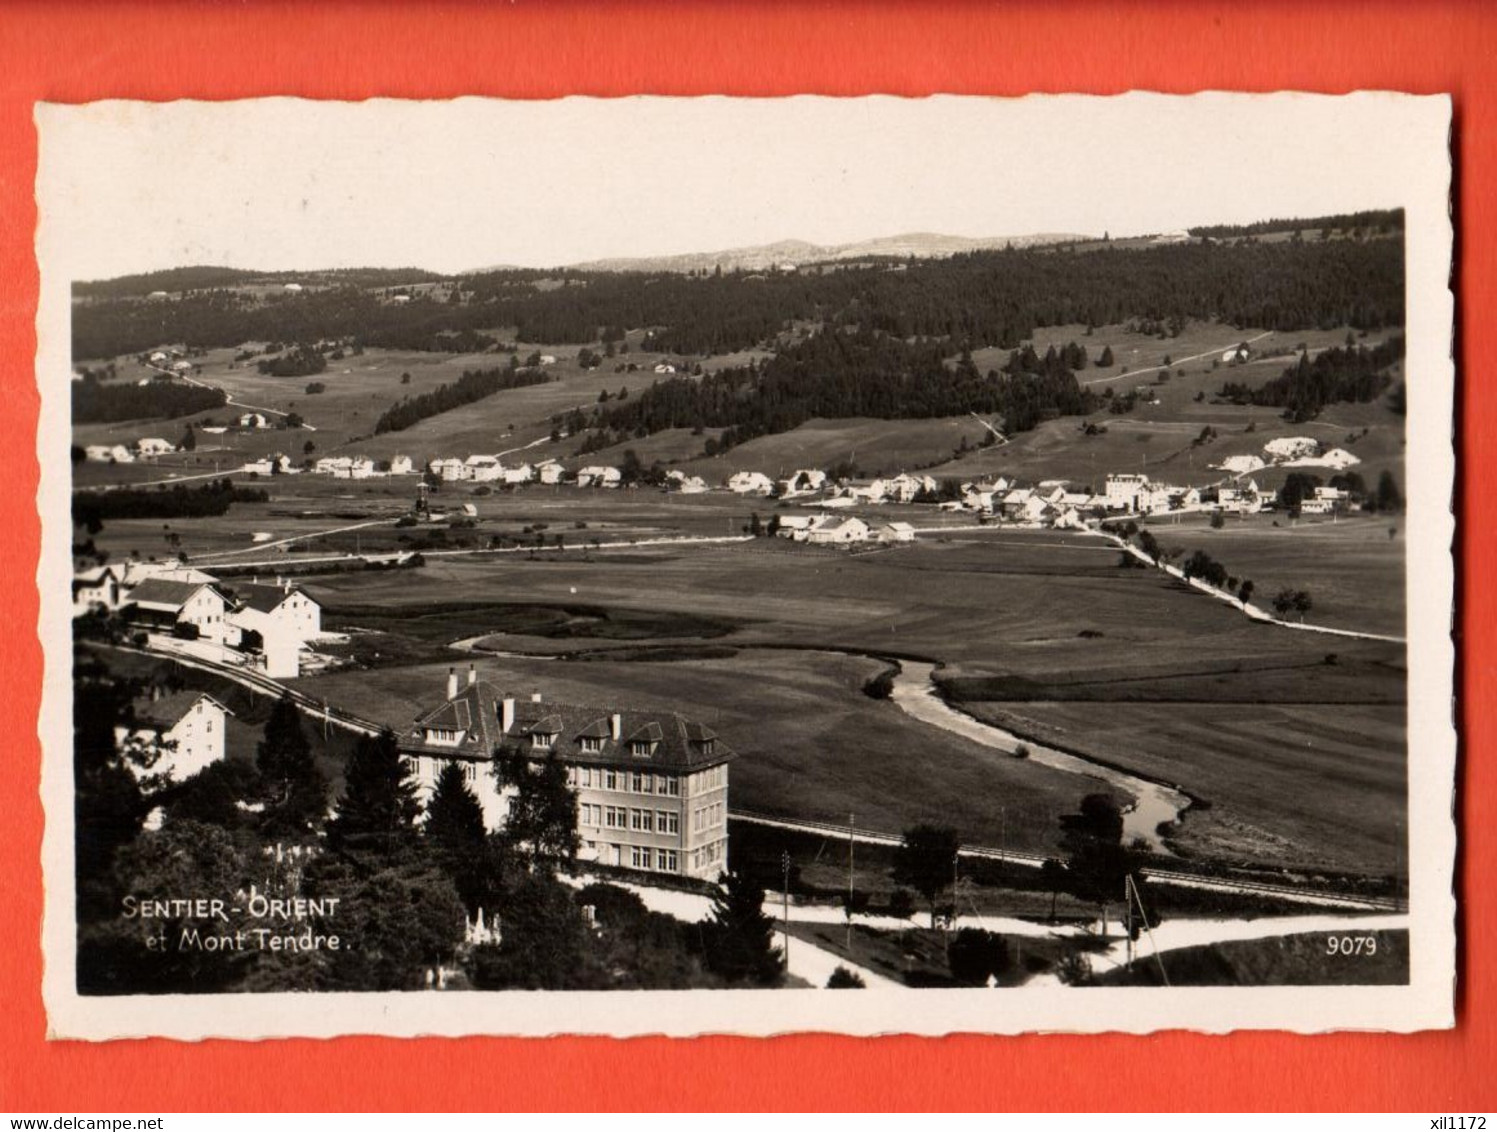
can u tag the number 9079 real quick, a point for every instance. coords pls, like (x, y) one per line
(1351, 945)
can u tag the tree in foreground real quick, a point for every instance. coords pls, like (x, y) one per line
(738, 937)
(977, 956)
(295, 790)
(378, 809)
(843, 979)
(542, 817)
(926, 862)
(455, 831)
(1098, 864)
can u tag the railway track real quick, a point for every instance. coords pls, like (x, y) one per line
(1164, 877)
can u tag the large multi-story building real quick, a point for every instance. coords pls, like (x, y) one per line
(651, 786)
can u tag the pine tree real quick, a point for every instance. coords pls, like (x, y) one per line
(737, 935)
(295, 790)
(378, 808)
(454, 817)
(542, 817)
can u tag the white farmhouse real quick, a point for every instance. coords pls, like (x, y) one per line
(185, 729)
(549, 472)
(677, 480)
(896, 532)
(520, 474)
(98, 588)
(750, 483)
(164, 604)
(1124, 489)
(869, 491)
(283, 617)
(154, 446)
(253, 420)
(109, 454)
(402, 466)
(598, 475)
(804, 482)
(838, 532)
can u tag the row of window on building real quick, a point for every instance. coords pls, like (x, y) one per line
(633, 782)
(707, 817)
(707, 855)
(657, 860)
(624, 817)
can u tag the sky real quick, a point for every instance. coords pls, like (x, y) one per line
(288, 184)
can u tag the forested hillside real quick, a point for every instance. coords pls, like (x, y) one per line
(979, 299)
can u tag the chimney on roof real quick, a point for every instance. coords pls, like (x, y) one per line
(535, 697)
(452, 683)
(616, 726)
(506, 714)
(472, 676)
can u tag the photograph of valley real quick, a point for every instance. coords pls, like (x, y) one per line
(1022, 608)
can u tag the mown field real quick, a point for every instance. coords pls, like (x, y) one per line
(1302, 786)
(1297, 759)
(1352, 568)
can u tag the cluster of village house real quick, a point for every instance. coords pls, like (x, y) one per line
(261, 625)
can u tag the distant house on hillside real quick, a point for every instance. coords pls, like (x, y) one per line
(549, 472)
(1123, 490)
(253, 420)
(804, 482)
(896, 532)
(449, 468)
(867, 490)
(186, 729)
(482, 469)
(519, 474)
(154, 446)
(402, 466)
(109, 454)
(599, 475)
(838, 531)
(750, 483)
(677, 480)
(904, 487)
(1237, 354)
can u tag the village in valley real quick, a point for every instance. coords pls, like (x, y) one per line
(1027, 616)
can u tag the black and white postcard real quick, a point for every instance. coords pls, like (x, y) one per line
(639, 566)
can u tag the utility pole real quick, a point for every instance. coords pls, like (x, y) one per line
(851, 822)
(785, 902)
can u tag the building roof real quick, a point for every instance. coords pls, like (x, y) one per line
(165, 593)
(169, 709)
(264, 597)
(679, 743)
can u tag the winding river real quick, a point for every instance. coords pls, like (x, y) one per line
(1154, 804)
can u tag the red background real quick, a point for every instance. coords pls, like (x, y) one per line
(82, 51)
